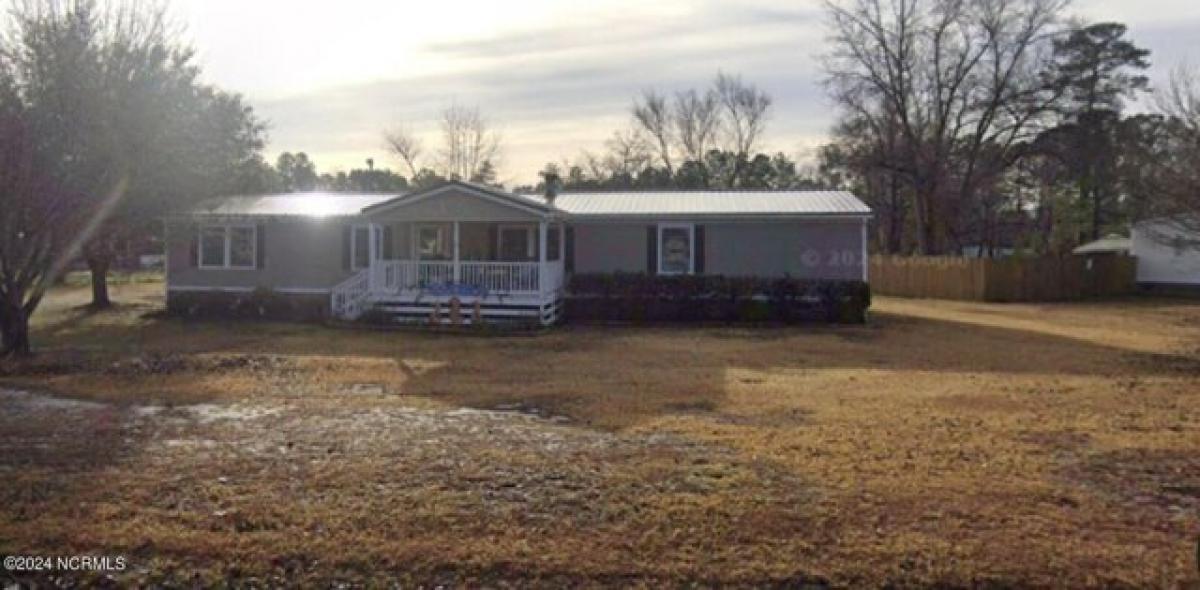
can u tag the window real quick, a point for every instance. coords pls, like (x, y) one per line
(431, 242)
(212, 247)
(228, 246)
(675, 249)
(516, 242)
(241, 247)
(361, 254)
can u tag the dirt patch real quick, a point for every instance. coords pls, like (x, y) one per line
(44, 432)
(1152, 479)
(63, 363)
(159, 364)
(316, 469)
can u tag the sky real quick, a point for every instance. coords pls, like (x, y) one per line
(555, 77)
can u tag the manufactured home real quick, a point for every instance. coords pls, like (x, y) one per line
(1168, 254)
(496, 253)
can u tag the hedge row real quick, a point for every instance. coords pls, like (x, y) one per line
(260, 303)
(629, 297)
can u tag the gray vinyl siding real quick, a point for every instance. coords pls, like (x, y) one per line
(401, 241)
(299, 254)
(452, 206)
(801, 249)
(610, 247)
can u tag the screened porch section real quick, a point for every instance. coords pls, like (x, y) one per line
(468, 260)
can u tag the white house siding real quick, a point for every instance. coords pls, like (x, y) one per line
(300, 255)
(1164, 262)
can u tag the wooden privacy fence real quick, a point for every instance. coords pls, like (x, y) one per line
(1007, 279)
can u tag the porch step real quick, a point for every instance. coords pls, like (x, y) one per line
(419, 312)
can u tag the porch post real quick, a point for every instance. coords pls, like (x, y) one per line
(542, 256)
(372, 254)
(457, 270)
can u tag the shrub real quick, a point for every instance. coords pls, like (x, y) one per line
(260, 303)
(624, 297)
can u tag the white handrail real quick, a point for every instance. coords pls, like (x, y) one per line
(349, 298)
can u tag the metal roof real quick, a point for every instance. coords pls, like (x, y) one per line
(310, 204)
(708, 203)
(1112, 243)
(732, 203)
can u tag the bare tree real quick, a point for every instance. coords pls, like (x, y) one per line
(1180, 100)
(961, 81)
(745, 108)
(470, 145)
(730, 115)
(405, 145)
(653, 114)
(697, 118)
(628, 153)
(1176, 164)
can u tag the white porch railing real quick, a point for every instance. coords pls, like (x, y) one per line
(350, 297)
(502, 277)
(397, 276)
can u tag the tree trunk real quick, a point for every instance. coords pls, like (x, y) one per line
(98, 266)
(896, 223)
(14, 332)
(922, 226)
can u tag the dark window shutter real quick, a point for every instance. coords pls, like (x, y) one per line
(569, 246)
(493, 253)
(389, 238)
(346, 235)
(651, 249)
(260, 248)
(698, 250)
(194, 248)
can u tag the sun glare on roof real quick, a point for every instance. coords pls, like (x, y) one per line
(314, 205)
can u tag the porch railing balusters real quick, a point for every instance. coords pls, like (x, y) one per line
(398, 276)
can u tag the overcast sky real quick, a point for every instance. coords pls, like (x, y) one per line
(557, 77)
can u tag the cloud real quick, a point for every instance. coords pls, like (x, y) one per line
(563, 83)
(556, 91)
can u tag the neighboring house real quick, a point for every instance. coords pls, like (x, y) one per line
(1167, 254)
(509, 254)
(1110, 245)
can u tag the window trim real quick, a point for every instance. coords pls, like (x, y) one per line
(227, 251)
(531, 232)
(691, 233)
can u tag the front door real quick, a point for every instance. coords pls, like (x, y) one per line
(516, 243)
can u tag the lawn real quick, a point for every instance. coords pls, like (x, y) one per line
(944, 443)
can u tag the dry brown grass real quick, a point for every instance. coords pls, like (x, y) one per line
(944, 443)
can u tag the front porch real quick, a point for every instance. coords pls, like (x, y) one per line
(454, 272)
